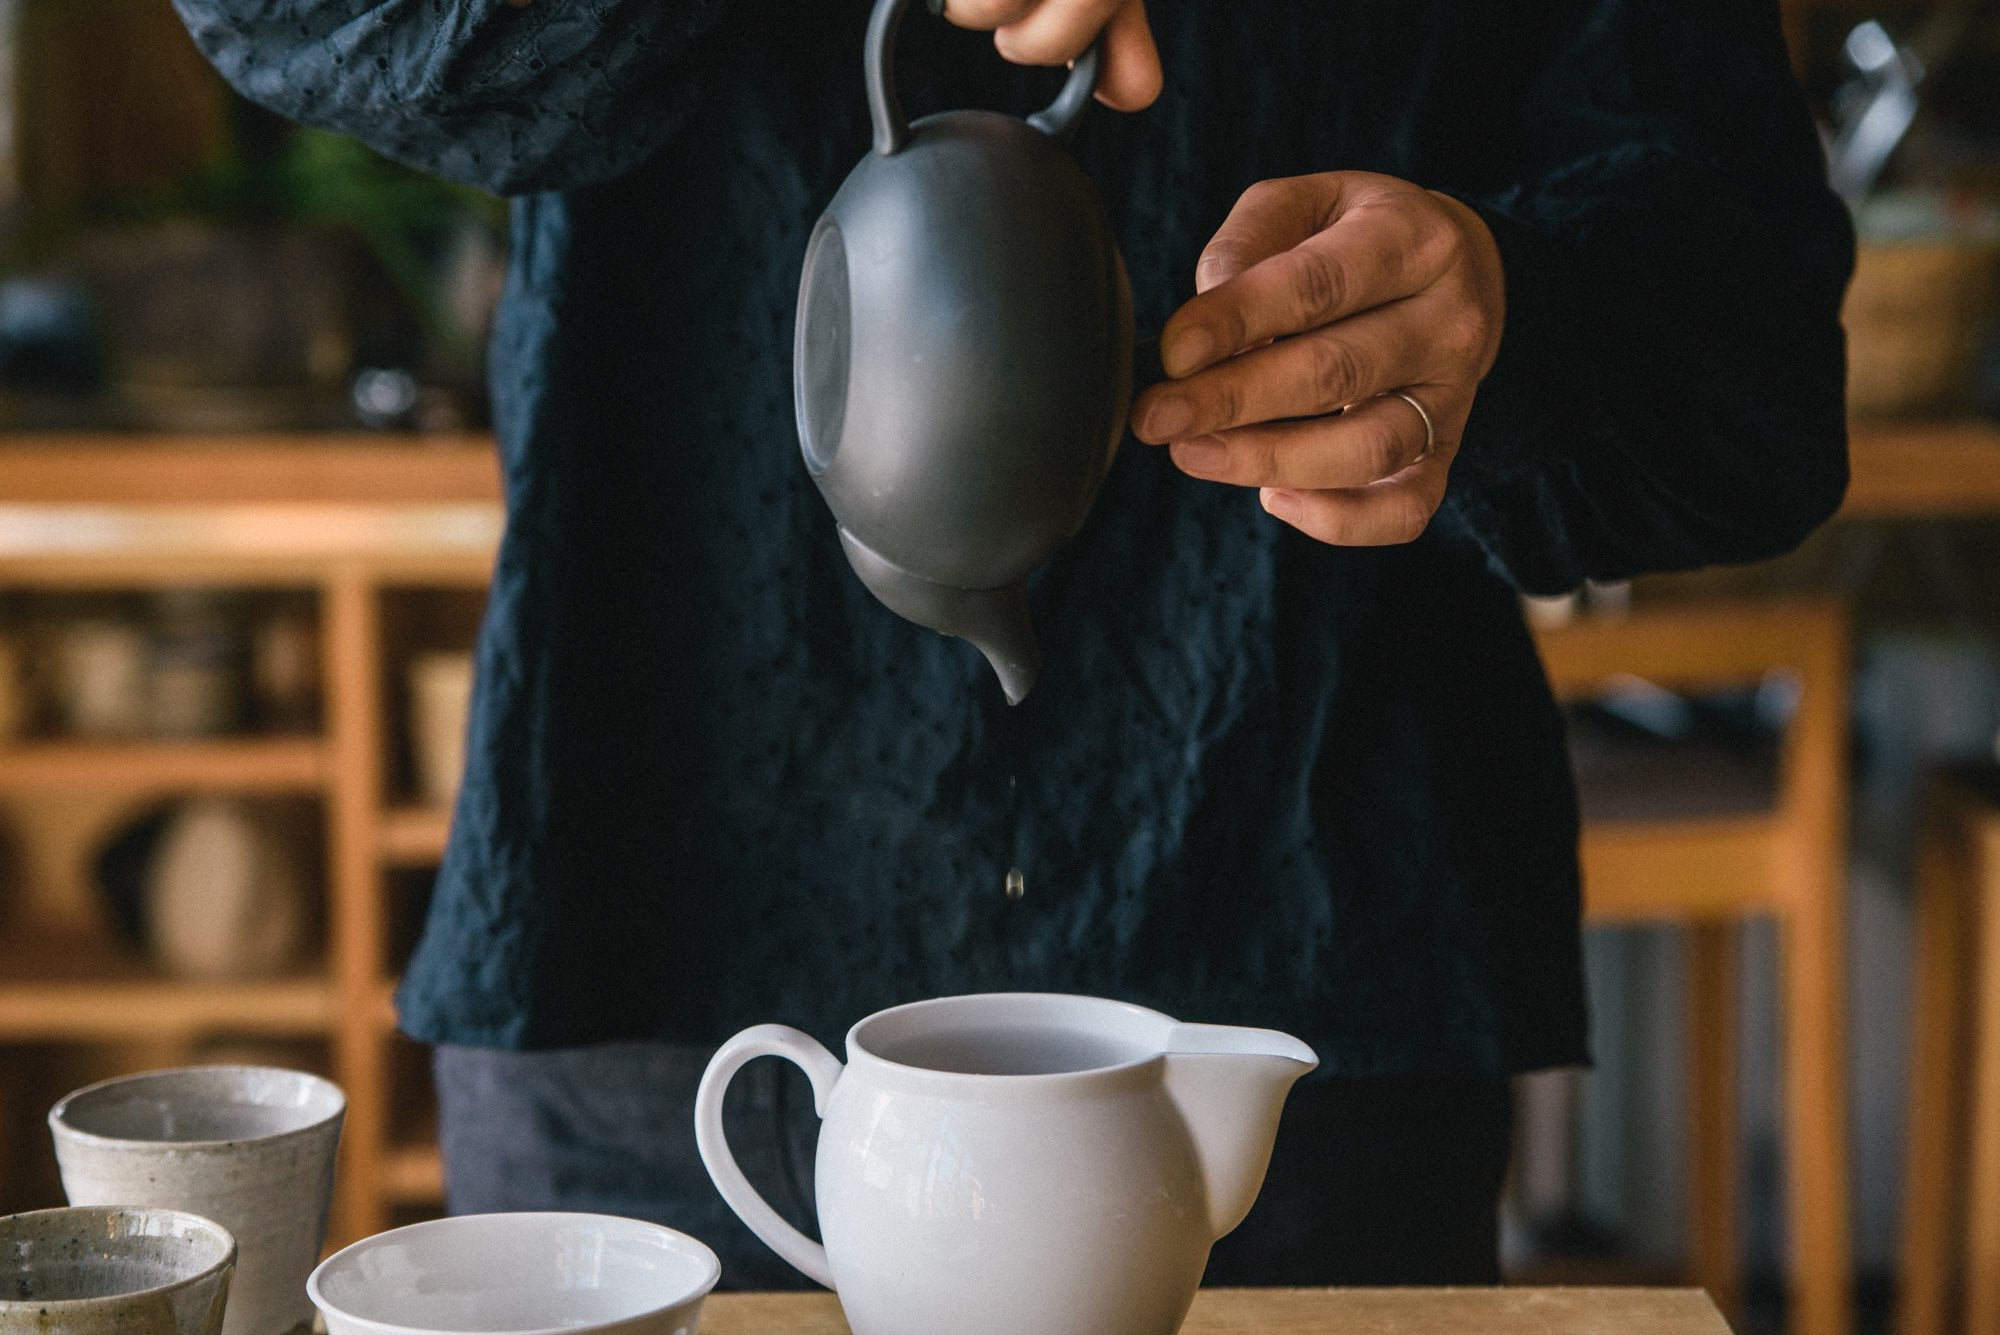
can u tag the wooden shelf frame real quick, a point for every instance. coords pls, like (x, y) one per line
(66, 984)
(413, 1175)
(1923, 470)
(351, 519)
(348, 521)
(413, 836)
(245, 765)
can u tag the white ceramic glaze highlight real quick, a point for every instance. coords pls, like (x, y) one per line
(517, 1274)
(1019, 1163)
(251, 1147)
(98, 1271)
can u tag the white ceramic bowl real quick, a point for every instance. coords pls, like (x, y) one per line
(517, 1274)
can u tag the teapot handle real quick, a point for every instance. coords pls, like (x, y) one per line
(823, 1069)
(885, 108)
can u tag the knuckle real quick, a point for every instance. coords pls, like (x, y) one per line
(1450, 236)
(1462, 334)
(1457, 332)
(1265, 194)
(1335, 369)
(1228, 404)
(1264, 463)
(1318, 286)
(1441, 245)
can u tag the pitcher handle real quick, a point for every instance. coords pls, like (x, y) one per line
(885, 108)
(823, 1069)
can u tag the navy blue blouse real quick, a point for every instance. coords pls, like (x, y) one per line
(712, 782)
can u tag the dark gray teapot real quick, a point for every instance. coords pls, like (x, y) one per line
(963, 362)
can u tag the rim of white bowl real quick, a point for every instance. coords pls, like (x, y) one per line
(192, 1223)
(700, 1250)
(60, 1125)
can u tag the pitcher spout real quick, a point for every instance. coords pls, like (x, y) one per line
(995, 620)
(1229, 1085)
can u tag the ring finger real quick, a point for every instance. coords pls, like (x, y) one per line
(1374, 439)
(1346, 362)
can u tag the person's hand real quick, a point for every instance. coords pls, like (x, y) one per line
(1342, 290)
(1055, 32)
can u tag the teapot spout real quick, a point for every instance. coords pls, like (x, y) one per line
(995, 620)
(1230, 1084)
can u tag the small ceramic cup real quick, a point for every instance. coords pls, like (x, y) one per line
(517, 1274)
(251, 1147)
(96, 1271)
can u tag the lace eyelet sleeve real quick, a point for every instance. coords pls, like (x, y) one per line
(546, 95)
(1668, 393)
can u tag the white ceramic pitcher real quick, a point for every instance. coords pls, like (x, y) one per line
(1018, 1163)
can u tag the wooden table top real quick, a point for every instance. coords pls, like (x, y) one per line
(1519, 1311)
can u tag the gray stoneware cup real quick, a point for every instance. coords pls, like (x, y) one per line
(251, 1147)
(98, 1271)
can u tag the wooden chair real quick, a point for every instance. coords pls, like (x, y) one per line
(1708, 874)
(1952, 1154)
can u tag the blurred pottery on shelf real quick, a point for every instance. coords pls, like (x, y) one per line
(225, 896)
(195, 665)
(440, 703)
(284, 670)
(97, 678)
(13, 690)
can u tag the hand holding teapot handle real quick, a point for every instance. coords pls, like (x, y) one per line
(1056, 32)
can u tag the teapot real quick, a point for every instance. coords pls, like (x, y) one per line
(1018, 1163)
(962, 362)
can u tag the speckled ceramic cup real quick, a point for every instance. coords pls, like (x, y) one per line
(98, 1271)
(250, 1147)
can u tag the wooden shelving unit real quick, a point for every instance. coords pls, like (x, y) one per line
(413, 836)
(413, 1175)
(356, 521)
(255, 765)
(60, 985)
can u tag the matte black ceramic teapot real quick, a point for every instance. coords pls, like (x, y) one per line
(963, 362)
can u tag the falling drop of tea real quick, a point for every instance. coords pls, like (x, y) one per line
(1017, 884)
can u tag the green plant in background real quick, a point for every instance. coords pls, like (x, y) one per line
(119, 128)
(405, 219)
